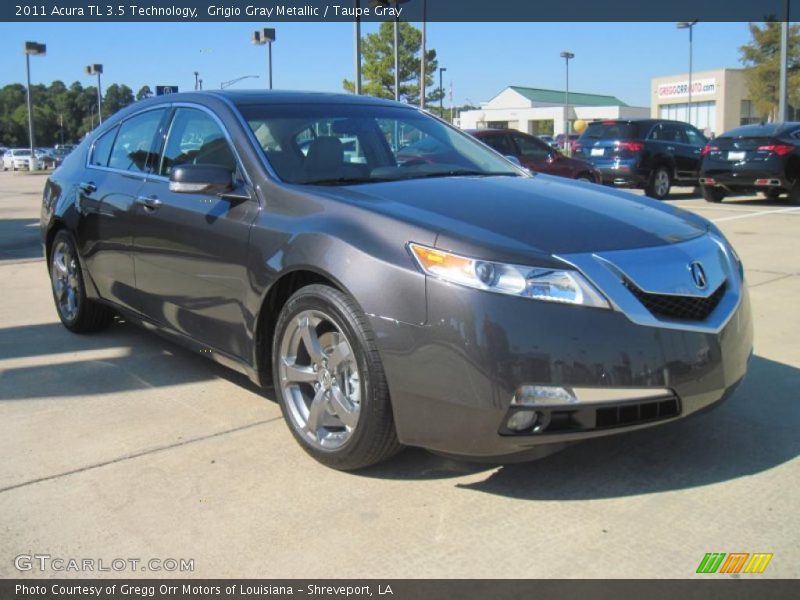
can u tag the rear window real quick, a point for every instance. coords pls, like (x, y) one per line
(611, 130)
(762, 130)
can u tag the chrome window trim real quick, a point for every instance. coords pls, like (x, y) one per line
(594, 268)
(167, 106)
(118, 125)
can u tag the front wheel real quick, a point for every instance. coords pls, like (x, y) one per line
(330, 381)
(713, 194)
(659, 184)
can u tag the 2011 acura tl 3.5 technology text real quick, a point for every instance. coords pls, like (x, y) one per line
(461, 305)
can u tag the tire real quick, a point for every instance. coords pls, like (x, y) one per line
(660, 183)
(77, 313)
(334, 397)
(794, 193)
(773, 195)
(712, 194)
(585, 177)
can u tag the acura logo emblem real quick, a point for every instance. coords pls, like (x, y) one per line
(698, 274)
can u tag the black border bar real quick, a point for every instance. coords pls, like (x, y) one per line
(702, 588)
(436, 10)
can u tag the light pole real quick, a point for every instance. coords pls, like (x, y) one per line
(441, 92)
(229, 83)
(396, 54)
(422, 60)
(357, 39)
(261, 37)
(31, 49)
(567, 56)
(782, 104)
(690, 26)
(97, 70)
(196, 80)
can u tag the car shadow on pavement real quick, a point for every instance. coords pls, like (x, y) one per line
(755, 430)
(123, 357)
(19, 239)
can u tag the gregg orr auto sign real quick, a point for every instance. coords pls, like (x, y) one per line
(680, 89)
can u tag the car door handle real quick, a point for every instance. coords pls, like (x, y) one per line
(671, 148)
(88, 187)
(150, 202)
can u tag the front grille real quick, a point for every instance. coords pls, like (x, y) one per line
(682, 308)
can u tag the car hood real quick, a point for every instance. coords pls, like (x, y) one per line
(549, 215)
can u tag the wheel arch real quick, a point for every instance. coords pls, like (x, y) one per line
(276, 297)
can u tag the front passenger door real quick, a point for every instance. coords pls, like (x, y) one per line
(191, 248)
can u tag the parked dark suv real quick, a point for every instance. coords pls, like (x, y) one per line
(763, 157)
(536, 155)
(653, 154)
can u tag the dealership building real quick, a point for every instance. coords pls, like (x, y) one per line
(720, 100)
(544, 112)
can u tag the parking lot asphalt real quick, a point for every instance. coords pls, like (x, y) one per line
(123, 445)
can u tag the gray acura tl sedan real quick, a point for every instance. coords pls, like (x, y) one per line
(453, 302)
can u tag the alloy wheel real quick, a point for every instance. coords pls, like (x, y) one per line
(66, 281)
(661, 184)
(319, 380)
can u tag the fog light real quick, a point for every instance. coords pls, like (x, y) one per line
(522, 420)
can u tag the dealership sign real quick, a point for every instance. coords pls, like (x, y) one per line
(680, 89)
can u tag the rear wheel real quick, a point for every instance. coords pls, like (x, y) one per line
(659, 184)
(330, 381)
(78, 313)
(794, 193)
(713, 194)
(585, 177)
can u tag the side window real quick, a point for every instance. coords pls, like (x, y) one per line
(133, 148)
(532, 148)
(655, 134)
(695, 137)
(102, 148)
(671, 132)
(195, 138)
(500, 143)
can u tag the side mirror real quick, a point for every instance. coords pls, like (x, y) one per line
(200, 179)
(513, 159)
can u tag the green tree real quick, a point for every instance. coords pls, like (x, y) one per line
(144, 92)
(116, 98)
(378, 66)
(761, 58)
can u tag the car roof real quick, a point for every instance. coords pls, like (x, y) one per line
(244, 97)
(492, 130)
(762, 129)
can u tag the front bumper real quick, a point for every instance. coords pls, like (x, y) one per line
(452, 381)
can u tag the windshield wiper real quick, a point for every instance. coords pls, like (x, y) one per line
(463, 172)
(345, 180)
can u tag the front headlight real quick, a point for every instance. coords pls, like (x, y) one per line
(549, 285)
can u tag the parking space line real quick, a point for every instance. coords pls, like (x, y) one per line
(758, 214)
(139, 454)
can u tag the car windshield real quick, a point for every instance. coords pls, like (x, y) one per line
(611, 130)
(22, 152)
(342, 144)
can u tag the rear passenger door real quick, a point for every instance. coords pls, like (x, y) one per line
(190, 249)
(119, 160)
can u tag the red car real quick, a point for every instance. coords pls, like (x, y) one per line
(535, 154)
